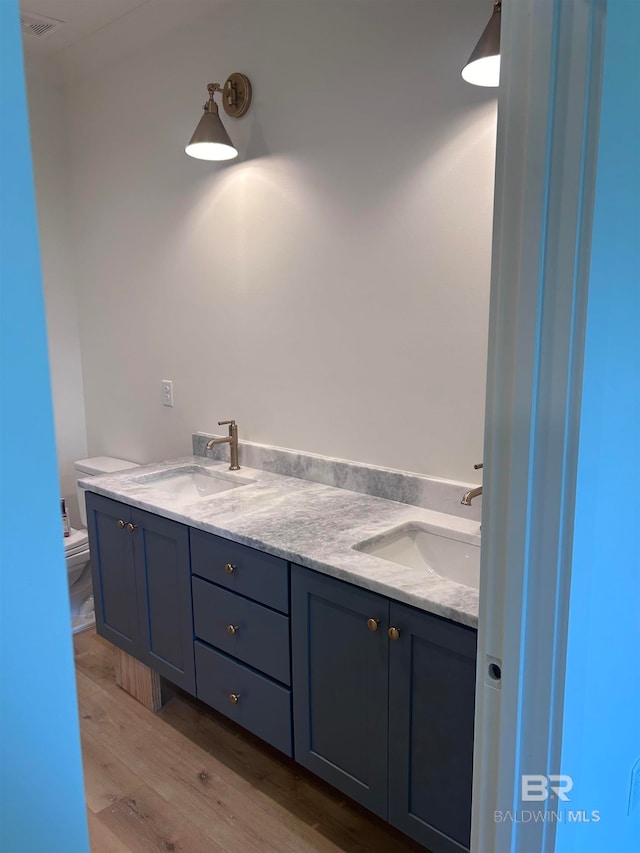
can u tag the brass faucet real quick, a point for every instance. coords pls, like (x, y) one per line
(231, 440)
(472, 493)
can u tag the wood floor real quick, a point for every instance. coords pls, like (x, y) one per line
(186, 779)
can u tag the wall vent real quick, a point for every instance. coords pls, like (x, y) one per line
(37, 25)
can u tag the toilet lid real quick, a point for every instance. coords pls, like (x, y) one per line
(102, 465)
(77, 541)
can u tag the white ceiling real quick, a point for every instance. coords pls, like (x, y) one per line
(95, 33)
(78, 19)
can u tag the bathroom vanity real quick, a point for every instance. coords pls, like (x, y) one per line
(334, 664)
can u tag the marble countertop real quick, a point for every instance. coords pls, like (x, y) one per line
(307, 523)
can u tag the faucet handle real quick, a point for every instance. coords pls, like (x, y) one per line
(224, 423)
(478, 466)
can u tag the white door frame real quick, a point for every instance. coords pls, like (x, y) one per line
(548, 118)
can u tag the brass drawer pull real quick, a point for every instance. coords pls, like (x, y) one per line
(121, 524)
(372, 624)
(232, 630)
(229, 568)
(394, 633)
(234, 698)
(131, 527)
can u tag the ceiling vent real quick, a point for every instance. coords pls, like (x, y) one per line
(37, 25)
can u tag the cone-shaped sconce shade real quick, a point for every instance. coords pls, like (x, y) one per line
(210, 140)
(483, 67)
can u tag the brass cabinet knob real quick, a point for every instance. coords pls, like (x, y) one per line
(234, 698)
(131, 527)
(394, 633)
(232, 630)
(121, 524)
(229, 568)
(372, 624)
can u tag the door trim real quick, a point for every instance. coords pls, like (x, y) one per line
(548, 118)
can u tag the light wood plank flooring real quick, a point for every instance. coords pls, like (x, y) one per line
(186, 779)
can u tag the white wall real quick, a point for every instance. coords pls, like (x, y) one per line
(49, 151)
(330, 289)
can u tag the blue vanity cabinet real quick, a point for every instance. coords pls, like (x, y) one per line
(240, 569)
(340, 691)
(142, 586)
(373, 696)
(432, 676)
(113, 572)
(163, 582)
(242, 629)
(384, 709)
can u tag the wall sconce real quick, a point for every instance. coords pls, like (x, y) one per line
(483, 67)
(210, 140)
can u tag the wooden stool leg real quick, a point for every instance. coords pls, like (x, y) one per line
(138, 680)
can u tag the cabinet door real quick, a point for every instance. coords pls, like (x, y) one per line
(112, 568)
(432, 676)
(164, 597)
(340, 671)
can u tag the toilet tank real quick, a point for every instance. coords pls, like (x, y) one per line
(91, 468)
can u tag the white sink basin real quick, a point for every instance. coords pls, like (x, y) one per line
(191, 482)
(418, 546)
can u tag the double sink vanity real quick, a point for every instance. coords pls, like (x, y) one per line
(337, 626)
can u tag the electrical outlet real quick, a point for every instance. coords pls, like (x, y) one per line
(634, 791)
(167, 392)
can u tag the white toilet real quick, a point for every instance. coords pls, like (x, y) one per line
(76, 546)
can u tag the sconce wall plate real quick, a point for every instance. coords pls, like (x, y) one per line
(236, 95)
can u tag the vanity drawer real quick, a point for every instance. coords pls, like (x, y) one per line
(263, 707)
(241, 569)
(260, 637)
